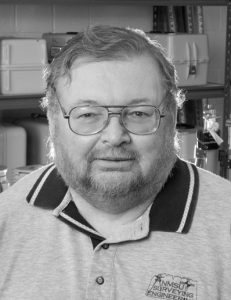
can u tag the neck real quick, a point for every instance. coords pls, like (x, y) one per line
(104, 222)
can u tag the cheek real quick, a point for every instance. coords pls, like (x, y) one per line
(149, 148)
(155, 147)
(78, 147)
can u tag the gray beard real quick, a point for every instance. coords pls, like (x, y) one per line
(117, 196)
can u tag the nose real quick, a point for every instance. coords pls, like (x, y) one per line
(115, 134)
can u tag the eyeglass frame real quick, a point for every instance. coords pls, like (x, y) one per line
(67, 116)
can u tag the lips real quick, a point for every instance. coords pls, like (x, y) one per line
(113, 163)
(115, 158)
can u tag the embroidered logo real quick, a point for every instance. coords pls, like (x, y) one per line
(166, 286)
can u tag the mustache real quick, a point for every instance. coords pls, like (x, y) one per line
(113, 153)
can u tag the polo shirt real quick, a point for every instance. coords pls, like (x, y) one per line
(180, 248)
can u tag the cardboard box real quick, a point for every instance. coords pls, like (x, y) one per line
(189, 54)
(22, 63)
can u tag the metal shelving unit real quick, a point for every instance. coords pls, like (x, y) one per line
(224, 153)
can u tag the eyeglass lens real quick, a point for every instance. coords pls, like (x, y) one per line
(88, 120)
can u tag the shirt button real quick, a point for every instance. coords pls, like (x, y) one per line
(105, 246)
(100, 280)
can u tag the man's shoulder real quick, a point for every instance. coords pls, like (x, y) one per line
(214, 191)
(16, 194)
(213, 180)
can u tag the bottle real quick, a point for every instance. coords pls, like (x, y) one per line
(208, 140)
(4, 184)
(209, 116)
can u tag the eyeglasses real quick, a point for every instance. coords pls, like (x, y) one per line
(91, 119)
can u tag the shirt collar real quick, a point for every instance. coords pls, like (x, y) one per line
(174, 206)
(172, 209)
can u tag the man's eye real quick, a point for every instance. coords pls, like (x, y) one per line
(138, 114)
(86, 115)
(89, 116)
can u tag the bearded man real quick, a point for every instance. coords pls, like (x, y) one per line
(117, 214)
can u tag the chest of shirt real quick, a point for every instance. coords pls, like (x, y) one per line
(161, 266)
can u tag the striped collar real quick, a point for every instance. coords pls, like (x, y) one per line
(172, 210)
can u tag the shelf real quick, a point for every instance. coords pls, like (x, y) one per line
(210, 90)
(19, 102)
(12, 102)
(120, 2)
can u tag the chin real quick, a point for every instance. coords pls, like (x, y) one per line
(116, 183)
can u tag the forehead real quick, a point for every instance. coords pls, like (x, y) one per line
(112, 81)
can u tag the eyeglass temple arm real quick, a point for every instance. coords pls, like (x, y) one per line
(65, 114)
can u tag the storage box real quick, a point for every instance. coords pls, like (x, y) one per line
(22, 62)
(37, 139)
(189, 53)
(12, 147)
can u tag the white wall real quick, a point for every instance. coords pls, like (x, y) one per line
(33, 20)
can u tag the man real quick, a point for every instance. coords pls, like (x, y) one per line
(117, 215)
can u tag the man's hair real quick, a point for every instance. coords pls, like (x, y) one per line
(107, 43)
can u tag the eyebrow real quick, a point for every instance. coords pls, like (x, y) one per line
(140, 100)
(135, 101)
